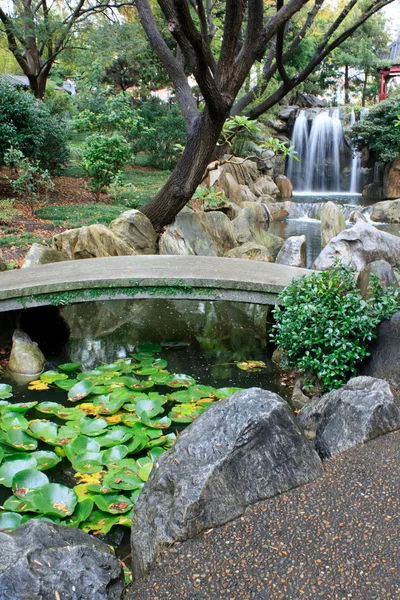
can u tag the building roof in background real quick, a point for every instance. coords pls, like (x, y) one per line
(21, 80)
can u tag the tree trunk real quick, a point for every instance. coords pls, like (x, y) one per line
(346, 85)
(188, 173)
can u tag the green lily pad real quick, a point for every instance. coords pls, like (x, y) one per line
(112, 503)
(148, 408)
(52, 376)
(158, 422)
(46, 459)
(81, 512)
(114, 453)
(28, 480)
(70, 414)
(142, 429)
(251, 365)
(90, 375)
(93, 427)
(13, 465)
(5, 391)
(65, 384)
(109, 404)
(67, 433)
(50, 408)
(13, 420)
(129, 420)
(160, 378)
(69, 367)
(17, 438)
(83, 444)
(100, 522)
(9, 521)
(223, 392)
(147, 371)
(148, 347)
(56, 499)
(155, 453)
(144, 472)
(114, 436)
(99, 390)
(137, 443)
(136, 384)
(134, 496)
(180, 380)
(120, 479)
(21, 505)
(89, 462)
(20, 407)
(44, 430)
(80, 390)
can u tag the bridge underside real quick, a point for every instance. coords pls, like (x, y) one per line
(179, 277)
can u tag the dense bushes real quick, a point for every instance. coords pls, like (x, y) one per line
(26, 124)
(103, 156)
(324, 325)
(377, 131)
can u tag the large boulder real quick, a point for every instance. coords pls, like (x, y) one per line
(244, 172)
(384, 359)
(303, 100)
(266, 185)
(373, 191)
(287, 112)
(241, 450)
(26, 358)
(293, 252)
(93, 241)
(380, 268)
(285, 186)
(387, 211)
(247, 225)
(359, 246)
(251, 251)
(391, 179)
(247, 194)
(41, 255)
(43, 561)
(332, 222)
(134, 228)
(232, 190)
(278, 210)
(359, 411)
(198, 233)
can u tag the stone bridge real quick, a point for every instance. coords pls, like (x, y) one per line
(188, 277)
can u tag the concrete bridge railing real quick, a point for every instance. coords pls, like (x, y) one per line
(188, 277)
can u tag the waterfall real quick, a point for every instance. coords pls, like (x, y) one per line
(356, 160)
(299, 141)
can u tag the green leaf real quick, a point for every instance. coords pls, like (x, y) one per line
(81, 512)
(13, 465)
(179, 380)
(56, 499)
(80, 390)
(112, 503)
(21, 505)
(9, 521)
(109, 403)
(52, 376)
(46, 459)
(65, 384)
(114, 436)
(17, 438)
(144, 472)
(120, 479)
(114, 453)
(13, 420)
(5, 391)
(27, 480)
(100, 522)
(148, 408)
(69, 367)
(44, 430)
(93, 427)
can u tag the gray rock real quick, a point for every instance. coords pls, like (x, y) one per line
(241, 450)
(251, 251)
(383, 270)
(385, 354)
(293, 252)
(266, 185)
(373, 191)
(246, 225)
(332, 222)
(42, 561)
(26, 358)
(303, 100)
(299, 399)
(247, 194)
(285, 186)
(359, 411)
(387, 211)
(136, 230)
(285, 112)
(359, 246)
(93, 241)
(41, 255)
(198, 233)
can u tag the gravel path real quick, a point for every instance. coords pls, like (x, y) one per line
(335, 538)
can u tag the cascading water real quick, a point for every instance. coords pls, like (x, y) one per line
(299, 141)
(355, 177)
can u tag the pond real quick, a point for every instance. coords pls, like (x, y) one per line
(130, 375)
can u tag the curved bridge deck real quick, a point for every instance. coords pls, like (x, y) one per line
(188, 277)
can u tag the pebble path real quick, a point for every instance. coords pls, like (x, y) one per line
(336, 538)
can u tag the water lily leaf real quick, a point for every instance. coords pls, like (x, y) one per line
(2, 454)
(17, 438)
(81, 512)
(67, 433)
(46, 459)
(99, 522)
(144, 472)
(161, 377)
(98, 488)
(112, 503)
(141, 428)
(108, 404)
(110, 367)
(21, 407)
(81, 445)
(88, 478)
(98, 390)
(80, 390)
(38, 385)
(115, 418)
(88, 408)
(69, 367)
(82, 491)
(166, 441)
(130, 420)
(251, 365)
(180, 380)
(21, 505)
(158, 422)
(143, 461)
(94, 374)
(65, 384)
(56, 499)
(44, 430)
(9, 521)
(223, 392)
(137, 443)
(148, 408)
(52, 376)
(148, 347)
(5, 391)
(155, 453)
(147, 371)
(13, 465)
(27, 480)
(70, 414)
(135, 384)
(120, 479)
(93, 427)
(50, 408)
(89, 462)
(114, 453)
(13, 420)
(116, 435)
(134, 496)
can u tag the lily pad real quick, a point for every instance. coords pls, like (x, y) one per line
(80, 390)
(46, 459)
(44, 430)
(158, 422)
(69, 367)
(116, 435)
(56, 499)
(17, 438)
(148, 408)
(67, 433)
(93, 427)
(21, 407)
(180, 380)
(52, 376)
(114, 453)
(21, 505)
(83, 444)
(5, 391)
(136, 384)
(112, 503)
(81, 512)
(9, 521)
(161, 377)
(129, 420)
(13, 465)
(155, 453)
(89, 462)
(251, 365)
(120, 479)
(13, 420)
(65, 384)
(144, 472)
(28, 480)
(223, 392)
(100, 522)
(108, 404)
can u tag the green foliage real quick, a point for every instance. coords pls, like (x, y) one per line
(324, 325)
(377, 131)
(7, 212)
(123, 194)
(80, 215)
(27, 124)
(102, 158)
(33, 183)
(211, 199)
(116, 116)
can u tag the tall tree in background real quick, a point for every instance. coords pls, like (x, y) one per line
(38, 32)
(221, 61)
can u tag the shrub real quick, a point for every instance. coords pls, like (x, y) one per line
(32, 183)
(7, 212)
(124, 194)
(26, 123)
(377, 131)
(324, 325)
(102, 159)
